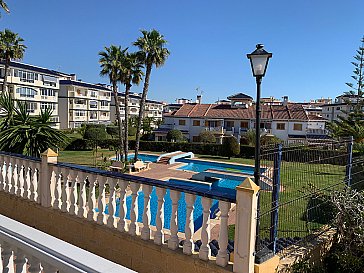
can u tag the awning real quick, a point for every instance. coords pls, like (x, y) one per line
(49, 79)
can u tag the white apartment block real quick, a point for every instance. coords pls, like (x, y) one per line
(153, 109)
(36, 86)
(83, 102)
(287, 122)
(332, 111)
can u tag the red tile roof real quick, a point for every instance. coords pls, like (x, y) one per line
(291, 111)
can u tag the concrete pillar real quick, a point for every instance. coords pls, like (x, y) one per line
(48, 156)
(245, 226)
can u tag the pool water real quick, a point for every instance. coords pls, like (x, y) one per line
(181, 214)
(144, 157)
(201, 166)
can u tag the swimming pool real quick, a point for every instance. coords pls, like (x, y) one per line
(201, 166)
(144, 157)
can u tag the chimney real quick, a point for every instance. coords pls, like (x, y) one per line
(199, 99)
(285, 100)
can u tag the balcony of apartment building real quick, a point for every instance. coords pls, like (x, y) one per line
(93, 115)
(78, 104)
(87, 208)
(78, 115)
(104, 105)
(215, 126)
(105, 95)
(78, 93)
(104, 116)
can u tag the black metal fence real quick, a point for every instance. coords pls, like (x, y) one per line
(295, 183)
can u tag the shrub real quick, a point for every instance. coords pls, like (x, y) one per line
(79, 144)
(230, 147)
(95, 134)
(174, 135)
(207, 137)
(113, 131)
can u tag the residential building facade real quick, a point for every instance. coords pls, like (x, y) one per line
(340, 108)
(286, 122)
(83, 102)
(36, 86)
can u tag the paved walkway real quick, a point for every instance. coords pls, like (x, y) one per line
(162, 171)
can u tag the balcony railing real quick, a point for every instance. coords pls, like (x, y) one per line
(218, 129)
(317, 132)
(25, 249)
(72, 189)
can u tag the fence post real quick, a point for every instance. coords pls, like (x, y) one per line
(275, 196)
(245, 226)
(48, 156)
(349, 163)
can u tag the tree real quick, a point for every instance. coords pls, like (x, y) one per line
(207, 137)
(130, 73)
(230, 147)
(11, 48)
(110, 62)
(152, 52)
(352, 124)
(4, 6)
(112, 131)
(174, 135)
(95, 134)
(23, 134)
(265, 139)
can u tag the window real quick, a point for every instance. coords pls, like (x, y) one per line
(31, 106)
(281, 126)
(47, 92)
(80, 113)
(104, 103)
(25, 76)
(229, 124)
(93, 104)
(195, 139)
(196, 123)
(244, 124)
(297, 127)
(93, 115)
(182, 122)
(47, 105)
(93, 94)
(26, 92)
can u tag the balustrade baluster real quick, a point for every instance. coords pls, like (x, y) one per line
(205, 250)
(188, 245)
(20, 184)
(222, 257)
(173, 240)
(27, 182)
(53, 183)
(2, 178)
(101, 204)
(34, 182)
(47, 268)
(91, 197)
(112, 203)
(14, 176)
(35, 266)
(9, 174)
(134, 228)
(57, 187)
(65, 192)
(122, 206)
(82, 195)
(159, 221)
(73, 179)
(20, 262)
(145, 234)
(7, 257)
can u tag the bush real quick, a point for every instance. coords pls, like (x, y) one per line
(174, 135)
(113, 131)
(207, 137)
(79, 144)
(230, 147)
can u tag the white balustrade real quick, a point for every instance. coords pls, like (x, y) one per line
(7, 257)
(9, 171)
(205, 250)
(65, 192)
(188, 245)
(101, 203)
(20, 184)
(133, 227)
(14, 176)
(2, 179)
(159, 220)
(35, 266)
(81, 211)
(20, 262)
(57, 187)
(145, 234)
(122, 206)
(27, 182)
(112, 203)
(173, 240)
(34, 182)
(91, 197)
(222, 257)
(73, 179)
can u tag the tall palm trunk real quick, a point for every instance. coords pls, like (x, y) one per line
(117, 107)
(141, 111)
(126, 129)
(7, 64)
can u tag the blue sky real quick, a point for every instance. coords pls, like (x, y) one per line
(312, 42)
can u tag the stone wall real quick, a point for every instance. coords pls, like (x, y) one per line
(141, 256)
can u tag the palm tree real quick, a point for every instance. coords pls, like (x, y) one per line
(152, 52)
(23, 134)
(131, 73)
(11, 48)
(4, 6)
(110, 61)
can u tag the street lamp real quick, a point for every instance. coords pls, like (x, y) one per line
(259, 61)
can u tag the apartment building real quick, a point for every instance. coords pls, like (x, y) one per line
(286, 122)
(341, 106)
(38, 87)
(83, 102)
(153, 109)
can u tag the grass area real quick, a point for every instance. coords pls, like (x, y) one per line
(87, 158)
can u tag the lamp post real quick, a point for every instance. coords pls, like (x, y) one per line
(259, 61)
